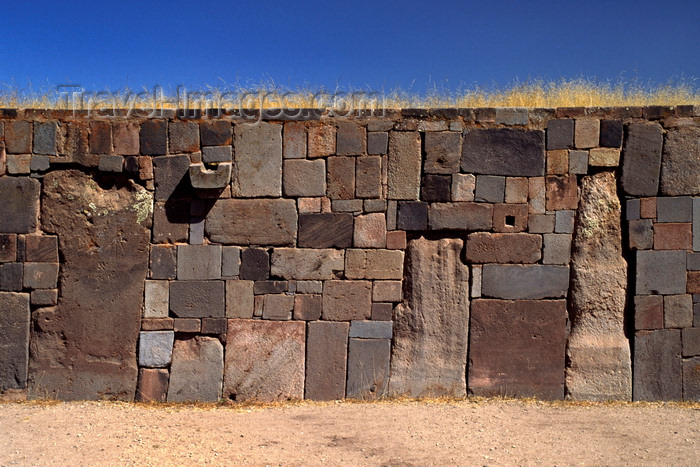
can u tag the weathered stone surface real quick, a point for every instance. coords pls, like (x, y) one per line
(370, 231)
(368, 368)
(460, 216)
(153, 385)
(215, 133)
(307, 307)
(126, 138)
(278, 306)
(510, 218)
(680, 168)
(239, 299)
(341, 177)
(442, 152)
(463, 186)
(171, 221)
(19, 198)
(611, 133)
(517, 348)
(347, 300)
(198, 262)
(258, 160)
(373, 264)
(404, 167)
(661, 272)
(326, 360)
(387, 291)
(504, 151)
(371, 329)
(382, 311)
(536, 195)
(163, 262)
(44, 297)
(431, 326)
(561, 192)
(41, 248)
(556, 249)
(678, 311)
(19, 164)
(351, 139)
(657, 365)
(101, 137)
(560, 133)
(18, 137)
(156, 299)
(531, 281)
(210, 179)
(696, 224)
(641, 159)
(598, 353)
(368, 177)
(484, 247)
(641, 235)
(156, 348)
(157, 324)
(11, 277)
(436, 188)
(197, 370)
(154, 137)
(304, 177)
(578, 162)
(84, 348)
(691, 379)
(14, 340)
(674, 209)
(321, 140)
(490, 189)
(45, 138)
(171, 176)
(324, 230)
(587, 133)
(264, 360)
(648, 312)
(377, 143)
(184, 136)
(557, 162)
(673, 236)
(294, 140)
(197, 299)
(40, 275)
(306, 263)
(253, 221)
(255, 264)
(412, 215)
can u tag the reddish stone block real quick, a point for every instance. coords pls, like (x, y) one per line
(326, 360)
(18, 137)
(347, 300)
(341, 177)
(153, 385)
(673, 236)
(510, 218)
(325, 230)
(368, 176)
(396, 240)
(215, 133)
(648, 312)
(561, 192)
(100, 138)
(184, 136)
(558, 162)
(382, 311)
(483, 247)
(517, 348)
(157, 324)
(307, 307)
(190, 325)
(294, 140)
(126, 138)
(321, 140)
(693, 283)
(153, 137)
(8, 248)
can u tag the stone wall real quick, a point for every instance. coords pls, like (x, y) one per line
(521, 252)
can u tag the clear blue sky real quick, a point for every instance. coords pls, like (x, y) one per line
(370, 44)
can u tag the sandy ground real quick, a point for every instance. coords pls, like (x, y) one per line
(483, 432)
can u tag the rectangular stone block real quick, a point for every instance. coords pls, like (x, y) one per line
(691, 379)
(537, 195)
(126, 138)
(341, 177)
(257, 170)
(188, 325)
(171, 175)
(253, 222)
(217, 154)
(673, 236)
(326, 360)
(373, 264)
(11, 277)
(197, 370)
(45, 138)
(351, 139)
(303, 177)
(346, 300)
(564, 221)
(648, 312)
(347, 205)
(153, 385)
(278, 306)
(18, 137)
(661, 272)
(477, 280)
(368, 368)
(696, 224)
(511, 116)
(44, 297)
(157, 324)
(647, 208)
(307, 264)
(484, 247)
(375, 205)
(325, 230)
(436, 188)
(239, 299)
(294, 140)
(578, 162)
(109, 163)
(40, 275)
(442, 152)
(674, 209)
(153, 137)
(382, 311)
(541, 223)
(587, 133)
(463, 186)
(678, 311)
(503, 151)
(14, 340)
(641, 159)
(396, 240)
(604, 157)
(311, 287)
(517, 348)
(632, 209)
(371, 329)
(215, 133)
(460, 216)
(184, 136)
(516, 190)
(370, 231)
(657, 365)
(255, 264)
(386, 291)
(230, 261)
(19, 164)
(368, 177)
(561, 192)
(611, 133)
(412, 215)
(532, 281)
(510, 218)
(558, 162)
(197, 299)
(270, 287)
(265, 360)
(641, 235)
(308, 205)
(41, 248)
(377, 143)
(321, 140)
(198, 262)
(163, 262)
(19, 198)
(693, 283)
(156, 348)
(560, 134)
(101, 138)
(691, 341)
(156, 299)
(557, 249)
(307, 307)
(404, 165)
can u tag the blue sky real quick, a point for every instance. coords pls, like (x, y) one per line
(372, 44)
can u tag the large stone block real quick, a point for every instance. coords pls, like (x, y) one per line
(197, 299)
(198, 262)
(373, 264)
(325, 230)
(154, 137)
(657, 365)
(442, 152)
(460, 216)
(84, 348)
(641, 159)
(264, 360)
(14, 340)
(307, 264)
(341, 177)
(484, 247)
(326, 360)
(368, 368)
(517, 348)
(404, 168)
(253, 221)
(197, 370)
(19, 198)
(431, 326)
(531, 281)
(351, 139)
(680, 167)
(258, 160)
(347, 300)
(504, 151)
(661, 272)
(171, 175)
(598, 353)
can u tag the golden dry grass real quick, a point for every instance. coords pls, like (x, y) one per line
(531, 94)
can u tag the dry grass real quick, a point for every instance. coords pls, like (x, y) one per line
(535, 93)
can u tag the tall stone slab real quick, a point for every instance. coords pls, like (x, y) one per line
(326, 360)
(85, 347)
(258, 160)
(598, 353)
(404, 165)
(19, 198)
(641, 159)
(14, 340)
(658, 372)
(431, 326)
(264, 360)
(680, 167)
(197, 370)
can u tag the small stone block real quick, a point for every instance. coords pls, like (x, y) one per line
(516, 190)
(673, 236)
(101, 138)
(460, 216)
(657, 365)
(558, 162)
(382, 311)
(307, 307)
(561, 192)
(632, 209)
(696, 224)
(188, 325)
(301, 177)
(374, 264)
(126, 138)
(371, 329)
(611, 133)
(40, 163)
(163, 262)
(153, 385)
(41, 249)
(511, 116)
(11, 277)
(347, 205)
(587, 133)
(347, 300)
(214, 326)
(396, 240)
(442, 152)
(156, 348)
(198, 262)
(370, 231)
(239, 299)
(153, 137)
(269, 287)
(377, 143)
(463, 186)
(44, 297)
(693, 284)
(560, 134)
(111, 163)
(641, 162)
(693, 262)
(230, 261)
(368, 177)
(18, 137)
(255, 264)
(156, 299)
(648, 312)
(412, 215)
(564, 221)
(386, 291)
(691, 341)
(641, 235)
(674, 209)
(19, 164)
(308, 205)
(325, 230)
(321, 140)
(476, 275)
(341, 177)
(483, 247)
(375, 205)
(40, 275)
(578, 162)
(294, 140)
(691, 379)
(490, 189)
(215, 133)
(647, 208)
(351, 139)
(157, 324)
(436, 188)
(310, 287)
(541, 223)
(661, 272)
(536, 195)
(217, 154)
(184, 136)
(604, 157)
(510, 218)
(197, 299)
(529, 281)
(556, 249)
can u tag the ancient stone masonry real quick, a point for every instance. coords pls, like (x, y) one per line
(522, 252)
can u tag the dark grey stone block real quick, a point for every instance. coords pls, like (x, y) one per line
(696, 224)
(632, 211)
(691, 379)
(657, 365)
(270, 287)
(674, 209)
(351, 139)
(184, 137)
(371, 329)
(215, 154)
(153, 137)
(45, 138)
(661, 272)
(14, 340)
(255, 264)
(437, 188)
(40, 163)
(214, 326)
(377, 143)
(170, 221)
(197, 299)
(198, 262)
(156, 348)
(578, 162)
(11, 276)
(196, 234)
(641, 159)
(19, 198)
(693, 262)
(532, 281)
(641, 235)
(215, 133)
(40, 275)
(368, 368)
(691, 341)
(490, 189)
(504, 151)
(171, 174)
(326, 360)
(442, 152)
(111, 163)
(42, 249)
(163, 262)
(611, 133)
(8, 248)
(564, 221)
(412, 215)
(560, 134)
(325, 230)
(18, 137)
(230, 261)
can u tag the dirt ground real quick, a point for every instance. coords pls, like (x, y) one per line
(471, 432)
